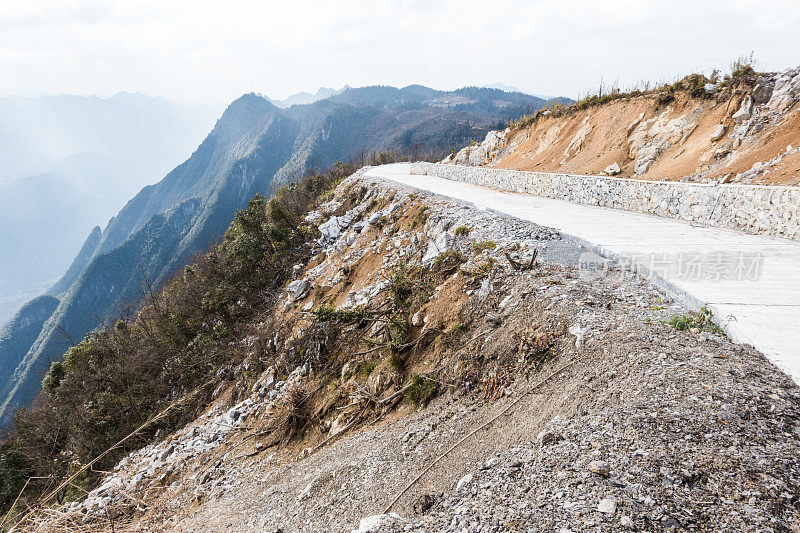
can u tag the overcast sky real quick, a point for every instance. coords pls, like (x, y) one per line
(213, 51)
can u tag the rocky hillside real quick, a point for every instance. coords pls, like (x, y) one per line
(743, 128)
(427, 366)
(254, 147)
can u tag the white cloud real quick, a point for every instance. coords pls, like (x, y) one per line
(202, 51)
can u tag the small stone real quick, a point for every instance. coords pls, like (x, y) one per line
(166, 453)
(627, 522)
(612, 169)
(378, 522)
(599, 467)
(485, 290)
(464, 481)
(306, 492)
(296, 270)
(607, 506)
(493, 320)
(579, 334)
(718, 133)
(548, 436)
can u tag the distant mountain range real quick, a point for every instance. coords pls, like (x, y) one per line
(303, 98)
(513, 89)
(254, 147)
(68, 164)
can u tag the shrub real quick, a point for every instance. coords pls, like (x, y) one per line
(460, 328)
(665, 97)
(462, 231)
(365, 369)
(702, 320)
(480, 246)
(422, 390)
(395, 362)
(743, 67)
(419, 217)
(178, 345)
(449, 260)
(329, 313)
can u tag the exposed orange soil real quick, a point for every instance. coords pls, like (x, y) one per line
(542, 145)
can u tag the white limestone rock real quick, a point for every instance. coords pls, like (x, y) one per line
(745, 111)
(297, 289)
(441, 244)
(579, 333)
(786, 92)
(464, 481)
(332, 229)
(612, 169)
(607, 505)
(576, 143)
(485, 290)
(375, 523)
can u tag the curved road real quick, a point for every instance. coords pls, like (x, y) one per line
(750, 282)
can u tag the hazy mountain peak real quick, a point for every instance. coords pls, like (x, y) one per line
(303, 97)
(504, 87)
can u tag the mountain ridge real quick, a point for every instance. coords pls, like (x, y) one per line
(252, 148)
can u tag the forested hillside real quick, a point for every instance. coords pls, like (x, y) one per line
(253, 147)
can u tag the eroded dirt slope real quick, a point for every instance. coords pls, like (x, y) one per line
(437, 321)
(747, 134)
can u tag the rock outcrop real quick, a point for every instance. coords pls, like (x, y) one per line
(481, 153)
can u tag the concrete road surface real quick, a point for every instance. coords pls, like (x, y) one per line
(750, 282)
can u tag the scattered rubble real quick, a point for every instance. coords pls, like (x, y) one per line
(651, 428)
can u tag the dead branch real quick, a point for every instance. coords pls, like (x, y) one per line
(519, 265)
(47, 497)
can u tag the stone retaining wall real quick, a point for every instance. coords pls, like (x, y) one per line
(750, 208)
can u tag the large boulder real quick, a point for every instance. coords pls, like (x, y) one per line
(297, 289)
(482, 153)
(334, 226)
(786, 92)
(745, 111)
(441, 244)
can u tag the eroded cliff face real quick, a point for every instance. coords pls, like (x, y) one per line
(748, 134)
